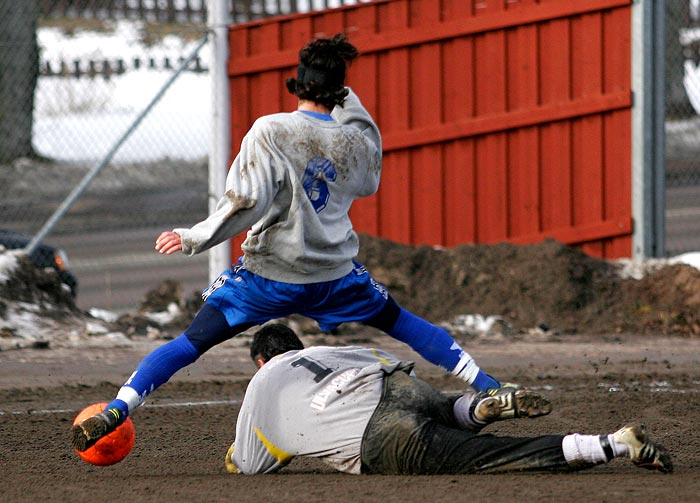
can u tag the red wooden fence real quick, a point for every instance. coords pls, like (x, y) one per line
(502, 120)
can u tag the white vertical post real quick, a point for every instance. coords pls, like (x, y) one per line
(648, 149)
(219, 19)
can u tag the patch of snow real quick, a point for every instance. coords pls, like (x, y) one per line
(92, 328)
(477, 325)
(691, 82)
(81, 119)
(26, 325)
(8, 263)
(165, 317)
(690, 258)
(638, 268)
(103, 314)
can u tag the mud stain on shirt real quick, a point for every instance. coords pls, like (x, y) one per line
(238, 202)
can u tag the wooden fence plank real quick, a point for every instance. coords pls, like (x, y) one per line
(495, 117)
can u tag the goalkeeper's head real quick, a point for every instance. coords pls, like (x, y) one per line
(272, 340)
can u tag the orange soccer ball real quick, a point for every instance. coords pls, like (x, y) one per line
(111, 448)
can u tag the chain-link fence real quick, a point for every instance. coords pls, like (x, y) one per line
(682, 40)
(74, 76)
(71, 88)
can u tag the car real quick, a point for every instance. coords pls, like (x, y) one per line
(43, 256)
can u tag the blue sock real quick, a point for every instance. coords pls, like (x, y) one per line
(431, 342)
(121, 406)
(156, 368)
(483, 381)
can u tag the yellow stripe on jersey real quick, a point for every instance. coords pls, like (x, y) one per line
(381, 358)
(230, 465)
(275, 451)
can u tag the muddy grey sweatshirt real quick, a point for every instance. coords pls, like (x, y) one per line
(292, 184)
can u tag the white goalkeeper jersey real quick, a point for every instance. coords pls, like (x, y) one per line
(313, 402)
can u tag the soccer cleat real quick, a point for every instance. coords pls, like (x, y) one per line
(642, 451)
(505, 387)
(508, 403)
(87, 433)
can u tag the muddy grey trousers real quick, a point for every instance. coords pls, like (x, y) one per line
(413, 431)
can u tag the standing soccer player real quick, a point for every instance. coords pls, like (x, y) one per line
(292, 184)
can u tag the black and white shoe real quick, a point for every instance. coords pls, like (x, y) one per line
(88, 432)
(508, 403)
(642, 451)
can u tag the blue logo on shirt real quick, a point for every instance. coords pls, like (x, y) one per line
(318, 172)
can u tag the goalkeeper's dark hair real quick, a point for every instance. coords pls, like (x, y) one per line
(272, 340)
(322, 69)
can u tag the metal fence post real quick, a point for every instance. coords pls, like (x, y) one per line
(220, 147)
(648, 166)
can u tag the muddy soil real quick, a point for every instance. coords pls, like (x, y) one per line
(596, 383)
(546, 285)
(605, 349)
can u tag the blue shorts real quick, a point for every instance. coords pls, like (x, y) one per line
(245, 298)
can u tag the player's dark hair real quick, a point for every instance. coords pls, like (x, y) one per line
(272, 340)
(321, 72)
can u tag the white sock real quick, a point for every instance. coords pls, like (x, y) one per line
(461, 412)
(130, 396)
(583, 449)
(620, 450)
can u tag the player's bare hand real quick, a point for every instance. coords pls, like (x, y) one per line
(168, 243)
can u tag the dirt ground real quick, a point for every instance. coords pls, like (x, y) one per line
(606, 351)
(596, 384)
